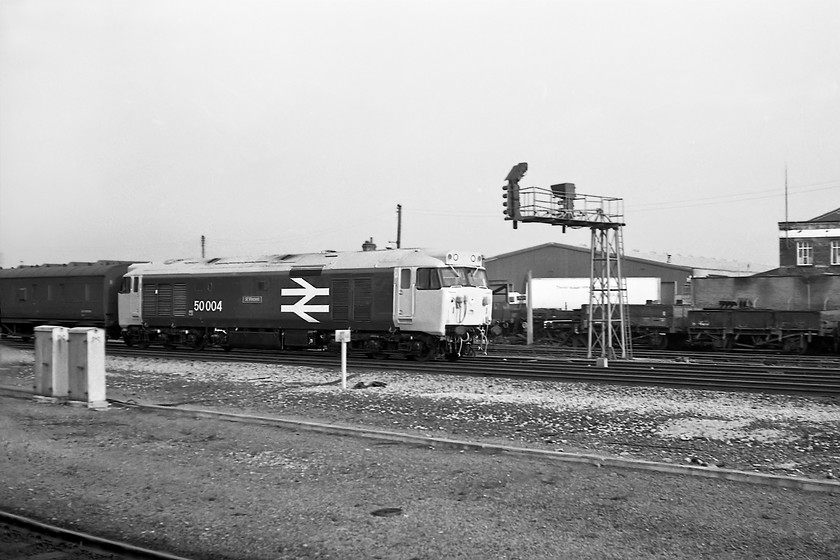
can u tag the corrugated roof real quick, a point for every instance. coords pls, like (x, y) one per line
(691, 263)
(583, 249)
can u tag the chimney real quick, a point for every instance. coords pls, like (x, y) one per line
(369, 245)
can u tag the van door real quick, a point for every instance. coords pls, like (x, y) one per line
(404, 295)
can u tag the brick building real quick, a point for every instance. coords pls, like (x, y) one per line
(808, 276)
(810, 247)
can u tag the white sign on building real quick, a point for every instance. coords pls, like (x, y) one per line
(573, 293)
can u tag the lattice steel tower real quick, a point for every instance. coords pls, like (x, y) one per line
(607, 324)
(608, 335)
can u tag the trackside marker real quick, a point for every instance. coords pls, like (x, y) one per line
(343, 336)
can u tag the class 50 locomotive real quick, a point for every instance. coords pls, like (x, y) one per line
(416, 303)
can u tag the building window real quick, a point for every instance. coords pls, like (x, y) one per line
(835, 252)
(804, 253)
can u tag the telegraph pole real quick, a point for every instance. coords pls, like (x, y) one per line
(399, 226)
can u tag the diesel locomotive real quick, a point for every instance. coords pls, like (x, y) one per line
(415, 303)
(409, 302)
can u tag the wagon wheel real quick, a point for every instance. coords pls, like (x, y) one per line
(795, 345)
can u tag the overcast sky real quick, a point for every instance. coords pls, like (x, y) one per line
(129, 129)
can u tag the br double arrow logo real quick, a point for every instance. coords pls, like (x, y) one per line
(302, 308)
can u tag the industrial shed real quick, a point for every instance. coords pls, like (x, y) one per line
(556, 260)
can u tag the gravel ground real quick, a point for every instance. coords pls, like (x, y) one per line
(234, 491)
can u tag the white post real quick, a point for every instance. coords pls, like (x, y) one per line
(529, 306)
(87, 367)
(343, 364)
(51, 361)
(343, 336)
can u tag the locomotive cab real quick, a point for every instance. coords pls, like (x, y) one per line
(451, 300)
(129, 300)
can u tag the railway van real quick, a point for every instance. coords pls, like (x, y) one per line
(76, 294)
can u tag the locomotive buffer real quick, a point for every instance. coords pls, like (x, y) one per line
(608, 329)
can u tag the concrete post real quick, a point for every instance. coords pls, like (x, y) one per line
(87, 367)
(51, 362)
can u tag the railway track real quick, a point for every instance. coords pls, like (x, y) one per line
(712, 375)
(23, 538)
(775, 376)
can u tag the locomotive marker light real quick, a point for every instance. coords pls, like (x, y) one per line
(343, 336)
(511, 195)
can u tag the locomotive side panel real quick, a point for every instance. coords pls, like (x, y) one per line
(358, 300)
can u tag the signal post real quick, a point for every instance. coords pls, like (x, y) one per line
(560, 205)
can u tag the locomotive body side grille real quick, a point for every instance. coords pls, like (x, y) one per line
(179, 300)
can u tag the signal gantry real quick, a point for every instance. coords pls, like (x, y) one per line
(560, 205)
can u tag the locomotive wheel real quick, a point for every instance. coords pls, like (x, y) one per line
(196, 341)
(135, 341)
(425, 354)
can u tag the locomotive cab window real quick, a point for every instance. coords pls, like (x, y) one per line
(125, 286)
(405, 279)
(461, 276)
(477, 277)
(428, 279)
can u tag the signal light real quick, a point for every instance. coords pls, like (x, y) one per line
(511, 202)
(511, 195)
